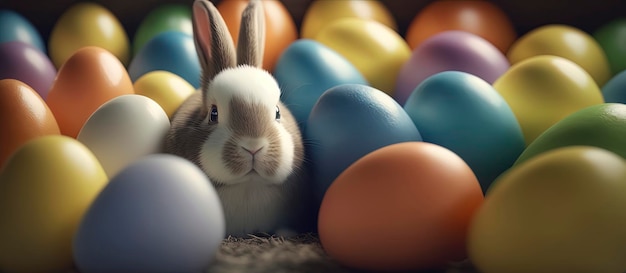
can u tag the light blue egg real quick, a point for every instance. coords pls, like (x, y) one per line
(305, 70)
(347, 122)
(160, 214)
(172, 51)
(15, 27)
(615, 89)
(465, 114)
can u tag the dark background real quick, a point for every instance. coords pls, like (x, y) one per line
(587, 15)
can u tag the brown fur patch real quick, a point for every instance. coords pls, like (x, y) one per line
(253, 121)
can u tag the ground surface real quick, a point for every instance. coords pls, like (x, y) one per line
(270, 254)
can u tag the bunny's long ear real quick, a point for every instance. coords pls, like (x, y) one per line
(214, 43)
(251, 43)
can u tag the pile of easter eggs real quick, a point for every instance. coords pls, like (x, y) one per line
(458, 140)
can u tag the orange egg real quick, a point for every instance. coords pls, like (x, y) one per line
(280, 29)
(481, 18)
(23, 115)
(88, 79)
(403, 207)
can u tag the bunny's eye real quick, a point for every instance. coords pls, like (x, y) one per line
(213, 114)
(277, 113)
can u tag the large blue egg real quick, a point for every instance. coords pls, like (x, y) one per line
(305, 70)
(14, 27)
(347, 122)
(615, 89)
(172, 51)
(160, 214)
(465, 114)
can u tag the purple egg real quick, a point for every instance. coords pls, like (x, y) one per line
(24, 62)
(450, 51)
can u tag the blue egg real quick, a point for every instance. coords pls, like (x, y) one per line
(172, 51)
(159, 214)
(615, 89)
(347, 122)
(14, 27)
(465, 114)
(305, 70)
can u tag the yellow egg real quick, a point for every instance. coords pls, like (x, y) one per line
(562, 211)
(544, 89)
(567, 42)
(167, 89)
(45, 188)
(322, 12)
(377, 51)
(87, 24)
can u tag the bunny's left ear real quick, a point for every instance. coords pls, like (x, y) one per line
(251, 43)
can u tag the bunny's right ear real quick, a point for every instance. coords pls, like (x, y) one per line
(214, 44)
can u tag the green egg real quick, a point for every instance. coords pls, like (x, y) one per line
(167, 17)
(602, 125)
(612, 39)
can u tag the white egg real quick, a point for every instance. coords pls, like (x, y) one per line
(123, 130)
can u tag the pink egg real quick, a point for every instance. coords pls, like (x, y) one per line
(26, 63)
(450, 50)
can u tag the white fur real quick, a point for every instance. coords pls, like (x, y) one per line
(255, 86)
(252, 202)
(250, 83)
(252, 207)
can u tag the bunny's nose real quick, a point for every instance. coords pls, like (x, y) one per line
(252, 151)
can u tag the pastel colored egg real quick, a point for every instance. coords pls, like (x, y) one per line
(15, 27)
(482, 18)
(45, 189)
(23, 115)
(123, 130)
(544, 89)
(161, 210)
(25, 63)
(87, 24)
(417, 199)
(376, 50)
(612, 39)
(181, 58)
(615, 89)
(320, 13)
(167, 17)
(562, 211)
(280, 28)
(465, 114)
(567, 42)
(347, 122)
(305, 70)
(602, 125)
(166, 88)
(446, 51)
(88, 79)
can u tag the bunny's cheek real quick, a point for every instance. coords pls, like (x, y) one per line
(285, 156)
(212, 158)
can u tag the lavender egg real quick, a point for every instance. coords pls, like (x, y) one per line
(450, 51)
(24, 62)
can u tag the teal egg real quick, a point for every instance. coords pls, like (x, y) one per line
(15, 27)
(172, 51)
(465, 114)
(615, 89)
(347, 122)
(305, 70)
